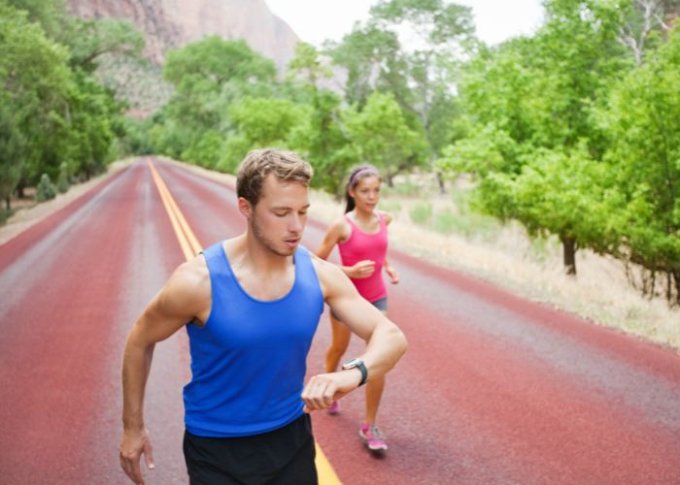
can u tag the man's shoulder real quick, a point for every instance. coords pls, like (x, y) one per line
(191, 277)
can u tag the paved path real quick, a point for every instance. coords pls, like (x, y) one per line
(494, 389)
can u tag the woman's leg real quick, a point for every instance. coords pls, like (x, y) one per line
(374, 392)
(368, 431)
(339, 344)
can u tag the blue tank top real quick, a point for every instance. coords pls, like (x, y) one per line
(248, 361)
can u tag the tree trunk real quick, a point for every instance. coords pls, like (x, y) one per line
(440, 182)
(8, 203)
(569, 254)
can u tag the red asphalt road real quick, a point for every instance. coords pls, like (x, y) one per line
(494, 389)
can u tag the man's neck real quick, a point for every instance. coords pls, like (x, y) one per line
(248, 252)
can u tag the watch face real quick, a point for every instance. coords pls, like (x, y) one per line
(351, 364)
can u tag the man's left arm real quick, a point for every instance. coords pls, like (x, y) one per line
(386, 343)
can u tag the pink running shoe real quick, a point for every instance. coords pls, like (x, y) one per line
(334, 408)
(372, 436)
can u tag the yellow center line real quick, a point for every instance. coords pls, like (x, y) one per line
(191, 247)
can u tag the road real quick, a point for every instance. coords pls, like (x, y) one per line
(494, 389)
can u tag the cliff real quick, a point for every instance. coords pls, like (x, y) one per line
(168, 24)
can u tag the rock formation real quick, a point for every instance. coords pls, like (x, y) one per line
(168, 24)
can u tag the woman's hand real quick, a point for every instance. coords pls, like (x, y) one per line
(363, 269)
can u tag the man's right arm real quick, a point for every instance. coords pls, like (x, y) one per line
(185, 297)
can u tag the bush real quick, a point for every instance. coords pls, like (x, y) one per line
(46, 189)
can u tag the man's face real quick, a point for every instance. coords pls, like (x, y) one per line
(278, 220)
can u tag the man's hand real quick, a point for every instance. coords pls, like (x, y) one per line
(323, 389)
(133, 445)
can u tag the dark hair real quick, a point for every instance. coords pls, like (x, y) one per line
(286, 166)
(355, 176)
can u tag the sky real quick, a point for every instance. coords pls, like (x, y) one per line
(317, 20)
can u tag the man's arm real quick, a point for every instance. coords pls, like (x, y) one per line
(385, 341)
(183, 298)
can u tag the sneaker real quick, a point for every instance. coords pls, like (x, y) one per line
(334, 408)
(372, 436)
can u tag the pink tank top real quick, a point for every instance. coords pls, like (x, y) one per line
(361, 245)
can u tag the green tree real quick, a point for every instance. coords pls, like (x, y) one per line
(320, 136)
(12, 148)
(419, 74)
(35, 80)
(380, 134)
(261, 122)
(209, 76)
(543, 93)
(89, 40)
(643, 123)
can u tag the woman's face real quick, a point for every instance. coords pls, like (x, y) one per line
(366, 193)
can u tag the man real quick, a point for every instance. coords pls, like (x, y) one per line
(251, 305)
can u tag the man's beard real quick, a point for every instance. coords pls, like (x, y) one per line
(266, 242)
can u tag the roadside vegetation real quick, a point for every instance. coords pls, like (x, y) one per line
(570, 136)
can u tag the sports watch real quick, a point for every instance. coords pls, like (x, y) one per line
(357, 363)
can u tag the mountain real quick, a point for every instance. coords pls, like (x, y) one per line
(169, 24)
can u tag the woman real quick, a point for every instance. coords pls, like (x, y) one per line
(361, 237)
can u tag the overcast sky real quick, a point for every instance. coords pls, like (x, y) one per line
(317, 20)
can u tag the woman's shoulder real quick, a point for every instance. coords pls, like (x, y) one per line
(385, 216)
(341, 227)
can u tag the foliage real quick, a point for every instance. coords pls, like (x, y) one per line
(63, 183)
(420, 76)
(50, 99)
(644, 126)
(45, 189)
(321, 135)
(211, 77)
(534, 142)
(380, 134)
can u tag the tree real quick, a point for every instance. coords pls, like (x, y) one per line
(12, 148)
(643, 123)
(31, 95)
(419, 77)
(320, 136)
(543, 93)
(643, 21)
(209, 76)
(261, 122)
(89, 40)
(381, 136)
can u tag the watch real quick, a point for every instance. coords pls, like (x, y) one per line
(357, 364)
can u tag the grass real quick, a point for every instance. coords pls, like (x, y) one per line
(421, 213)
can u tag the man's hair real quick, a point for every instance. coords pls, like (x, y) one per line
(286, 166)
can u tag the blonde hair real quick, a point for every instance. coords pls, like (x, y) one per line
(285, 165)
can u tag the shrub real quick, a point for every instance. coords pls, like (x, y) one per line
(46, 189)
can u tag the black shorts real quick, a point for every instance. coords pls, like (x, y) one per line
(283, 456)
